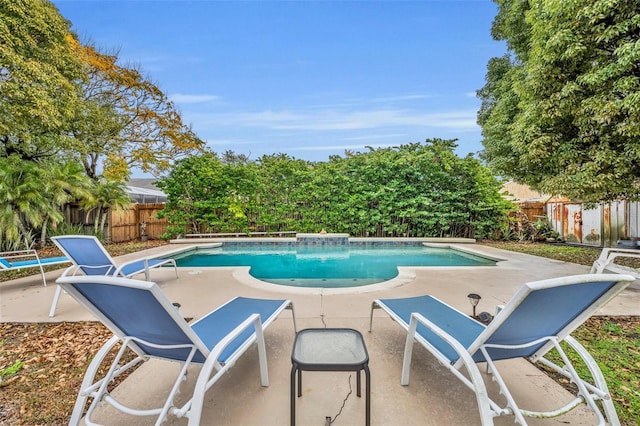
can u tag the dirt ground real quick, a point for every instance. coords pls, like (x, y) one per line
(48, 360)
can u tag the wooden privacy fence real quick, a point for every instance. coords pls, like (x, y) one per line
(122, 224)
(533, 209)
(125, 224)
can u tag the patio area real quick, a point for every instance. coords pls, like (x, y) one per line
(434, 396)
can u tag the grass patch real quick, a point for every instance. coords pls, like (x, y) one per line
(9, 371)
(614, 342)
(563, 252)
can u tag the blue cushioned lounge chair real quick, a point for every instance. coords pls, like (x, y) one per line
(540, 316)
(144, 320)
(21, 259)
(90, 257)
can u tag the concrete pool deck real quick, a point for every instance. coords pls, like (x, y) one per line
(434, 396)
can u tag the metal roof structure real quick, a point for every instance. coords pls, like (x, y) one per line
(145, 195)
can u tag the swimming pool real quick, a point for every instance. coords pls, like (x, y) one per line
(327, 266)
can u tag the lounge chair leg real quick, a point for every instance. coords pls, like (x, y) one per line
(146, 270)
(87, 381)
(54, 304)
(408, 352)
(504, 390)
(293, 314)
(262, 353)
(374, 305)
(44, 280)
(597, 377)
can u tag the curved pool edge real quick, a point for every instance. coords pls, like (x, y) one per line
(465, 249)
(184, 248)
(242, 275)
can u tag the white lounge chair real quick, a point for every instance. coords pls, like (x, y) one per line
(21, 259)
(606, 261)
(90, 257)
(540, 316)
(144, 320)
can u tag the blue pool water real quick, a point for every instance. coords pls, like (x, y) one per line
(327, 266)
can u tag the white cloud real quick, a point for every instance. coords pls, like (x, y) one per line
(339, 147)
(401, 98)
(370, 137)
(362, 102)
(327, 120)
(180, 98)
(232, 142)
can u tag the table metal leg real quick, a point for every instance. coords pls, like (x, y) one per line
(368, 392)
(358, 384)
(293, 395)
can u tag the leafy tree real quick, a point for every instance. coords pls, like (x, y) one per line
(280, 179)
(58, 95)
(193, 194)
(125, 120)
(31, 195)
(66, 108)
(562, 112)
(512, 26)
(23, 203)
(62, 182)
(105, 194)
(39, 73)
(21, 200)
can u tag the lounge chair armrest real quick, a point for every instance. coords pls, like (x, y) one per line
(607, 261)
(606, 251)
(145, 260)
(9, 256)
(253, 319)
(608, 254)
(475, 383)
(450, 340)
(19, 253)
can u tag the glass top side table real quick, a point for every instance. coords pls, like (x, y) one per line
(329, 349)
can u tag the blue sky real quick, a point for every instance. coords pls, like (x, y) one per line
(306, 78)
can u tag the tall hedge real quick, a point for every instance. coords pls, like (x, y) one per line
(415, 190)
